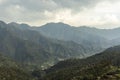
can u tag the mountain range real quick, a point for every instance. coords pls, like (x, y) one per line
(94, 39)
(57, 48)
(53, 42)
(29, 47)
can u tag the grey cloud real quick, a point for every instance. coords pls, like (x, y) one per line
(75, 4)
(33, 5)
(51, 5)
(79, 4)
(34, 9)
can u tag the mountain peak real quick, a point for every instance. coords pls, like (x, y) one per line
(20, 26)
(13, 23)
(2, 22)
(24, 25)
(58, 25)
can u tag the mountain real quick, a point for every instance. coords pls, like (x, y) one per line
(43, 46)
(61, 31)
(29, 49)
(32, 49)
(66, 32)
(94, 39)
(20, 26)
(115, 41)
(106, 33)
(102, 66)
(18, 49)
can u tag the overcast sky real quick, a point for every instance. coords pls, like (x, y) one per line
(95, 13)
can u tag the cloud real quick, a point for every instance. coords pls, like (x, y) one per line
(2, 1)
(77, 5)
(74, 12)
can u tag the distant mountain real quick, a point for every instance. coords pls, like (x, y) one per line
(95, 40)
(20, 26)
(102, 66)
(30, 48)
(50, 43)
(91, 37)
(42, 47)
(115, 41)
(106, 33)
(66, 32)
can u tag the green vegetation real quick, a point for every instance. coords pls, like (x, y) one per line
(10, 70)
(100, 71)
(92, 72)
(103, 66)
(14, 74)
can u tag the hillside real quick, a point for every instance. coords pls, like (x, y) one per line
(100, 71)
(10, 70)
(103, 66)
(110, 55)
